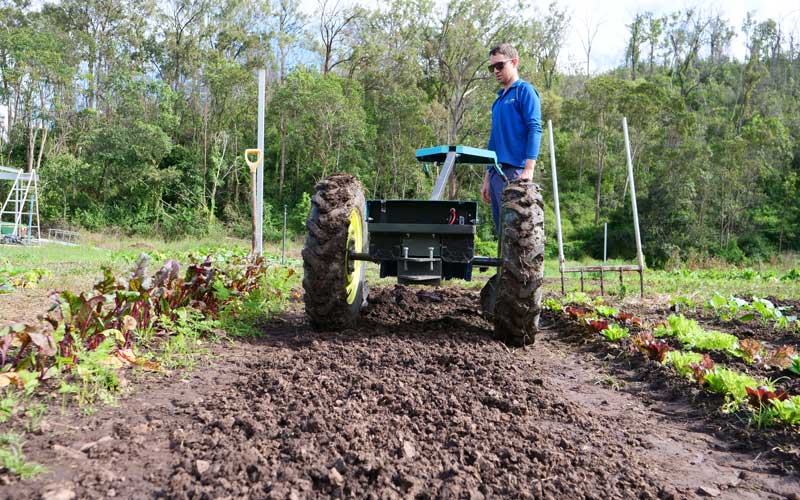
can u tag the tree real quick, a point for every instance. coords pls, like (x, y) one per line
(334, 23)
(587, 39)
(637, 37)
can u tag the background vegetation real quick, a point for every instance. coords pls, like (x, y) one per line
(137, 113)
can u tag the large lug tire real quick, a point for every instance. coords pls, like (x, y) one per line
(517, 289)
(333, 283)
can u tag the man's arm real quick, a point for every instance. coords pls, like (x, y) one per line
(485, 189)
(527, 172)
(532, 113)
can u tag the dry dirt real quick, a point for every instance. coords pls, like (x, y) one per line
(418, 401)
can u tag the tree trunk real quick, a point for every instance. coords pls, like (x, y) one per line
(41, 149)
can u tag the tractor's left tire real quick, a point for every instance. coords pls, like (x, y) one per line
(518, 285)
(333, 283)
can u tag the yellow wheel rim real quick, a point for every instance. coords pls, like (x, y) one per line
(355, 235)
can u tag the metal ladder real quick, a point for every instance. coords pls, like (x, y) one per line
(19, 217)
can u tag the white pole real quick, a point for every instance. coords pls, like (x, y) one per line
(557, 206)
(639, 253)
(605, 242)
(259, 215)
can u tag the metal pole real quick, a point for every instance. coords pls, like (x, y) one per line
(557, 206)
(605, 242)
(639, 253)
(259, 200)
(283, 246)
(444, 174)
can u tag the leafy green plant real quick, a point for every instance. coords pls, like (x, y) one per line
(552, 304)
(12, 458)
(577, 312)
(750, 350)
(792, 275)
(795, 366)
(614, 332)
(762, 395)
(701, 368)
(682, 302)
(654, 349)
(576, 298)
(606, 311)
(596, 325)
(731, 384)
(681, 361)
(12, 277)
(629, 319)
(781, 357)
(727, 309)
(692, 335)
(92, 334)
(787, 411)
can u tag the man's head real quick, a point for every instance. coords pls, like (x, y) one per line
(503, 61)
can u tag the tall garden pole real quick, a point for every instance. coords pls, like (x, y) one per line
(259, 177)
(558, 209)
(283, 243)
(639, 254)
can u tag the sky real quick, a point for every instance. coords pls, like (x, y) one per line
(612, 16)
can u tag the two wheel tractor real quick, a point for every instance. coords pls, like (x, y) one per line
(423, 242)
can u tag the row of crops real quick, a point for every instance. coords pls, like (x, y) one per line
(754, 378)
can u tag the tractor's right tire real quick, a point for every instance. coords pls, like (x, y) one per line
(518, 285)
(333, 283)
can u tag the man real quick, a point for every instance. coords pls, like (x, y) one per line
(516, 127)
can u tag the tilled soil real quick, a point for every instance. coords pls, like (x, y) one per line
(417, 401)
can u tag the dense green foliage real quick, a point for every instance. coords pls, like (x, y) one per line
(137, 116)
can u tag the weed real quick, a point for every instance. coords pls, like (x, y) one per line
(611, 381)
(8, 404)
(184, 346)
(763, 417)
(34, 412)
(13, 460)
(97, 374)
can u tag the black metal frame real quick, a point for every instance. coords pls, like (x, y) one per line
(425, 241)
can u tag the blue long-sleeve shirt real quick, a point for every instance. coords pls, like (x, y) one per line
(516, 125)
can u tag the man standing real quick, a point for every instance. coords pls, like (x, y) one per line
(516, 127)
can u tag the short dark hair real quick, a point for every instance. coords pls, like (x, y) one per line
(506, 49)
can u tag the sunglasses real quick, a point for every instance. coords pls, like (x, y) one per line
(498, 65)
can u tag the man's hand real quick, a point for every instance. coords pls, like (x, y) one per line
(485, 189)
(527, 172)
